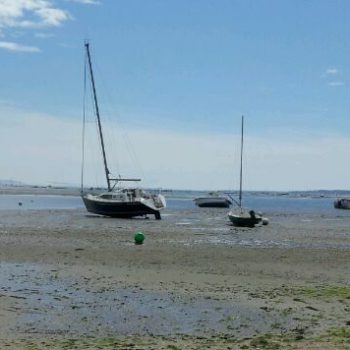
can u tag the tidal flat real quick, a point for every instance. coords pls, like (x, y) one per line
(70, 280)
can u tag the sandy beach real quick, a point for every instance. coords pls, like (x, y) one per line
(70, 280)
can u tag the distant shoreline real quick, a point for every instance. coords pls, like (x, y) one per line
(38, 190)
(75, 191)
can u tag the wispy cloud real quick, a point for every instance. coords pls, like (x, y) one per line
(14, 47)
(32, 14)
(331, 74)
(86, 2)
(332, 71)
(336, 83)
(187, 159)
(43, 35)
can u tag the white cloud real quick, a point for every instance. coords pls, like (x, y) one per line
(169, 159)
(14, 47)
(336, 83)
(332, 71)
(43, 35)
(30, 14)
(86, 2)
(52, 17)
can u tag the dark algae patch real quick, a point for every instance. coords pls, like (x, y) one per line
(340, 336)
(299, 293)
(323, 292)
(335, 338)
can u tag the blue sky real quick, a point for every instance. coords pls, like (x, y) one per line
(187, 70)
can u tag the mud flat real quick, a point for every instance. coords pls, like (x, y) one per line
(75, 281)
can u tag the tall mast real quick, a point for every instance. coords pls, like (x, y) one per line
(83, 133)
(97, 111)
(241, 173)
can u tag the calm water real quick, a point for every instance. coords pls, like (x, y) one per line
(184, 200)
(24, 202)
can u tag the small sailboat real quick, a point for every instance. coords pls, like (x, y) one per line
(117, 202)
(242, 216)
(342, 203)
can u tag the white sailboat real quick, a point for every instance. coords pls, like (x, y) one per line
(117, 202)
(241, 216)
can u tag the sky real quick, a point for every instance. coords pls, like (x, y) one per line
(173, 79)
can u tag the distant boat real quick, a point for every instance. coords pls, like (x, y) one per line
(213, 200)
(117, 202)
(242, 216)
(342, 203)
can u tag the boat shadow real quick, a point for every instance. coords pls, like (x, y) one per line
(91, 216)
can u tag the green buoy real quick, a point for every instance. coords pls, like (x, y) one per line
(139, 237)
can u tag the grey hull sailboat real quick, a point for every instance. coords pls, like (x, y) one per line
(213, 200)
(241, 216)
(117, 202)
(342, 203)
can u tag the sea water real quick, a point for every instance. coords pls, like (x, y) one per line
(35, 202)
(267, 202)
(307, 202)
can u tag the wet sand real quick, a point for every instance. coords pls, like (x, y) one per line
(73, 280)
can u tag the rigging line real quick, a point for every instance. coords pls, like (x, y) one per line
(121, 130)
(110, 138)
(114, 134)
(92, 151)
(241, 172)
(83, 129)
(99, 154)
(95, 151)
(98, 115)
(234, 160)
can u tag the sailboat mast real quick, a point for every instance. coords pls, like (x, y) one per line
(97, 111)
(241, 173)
